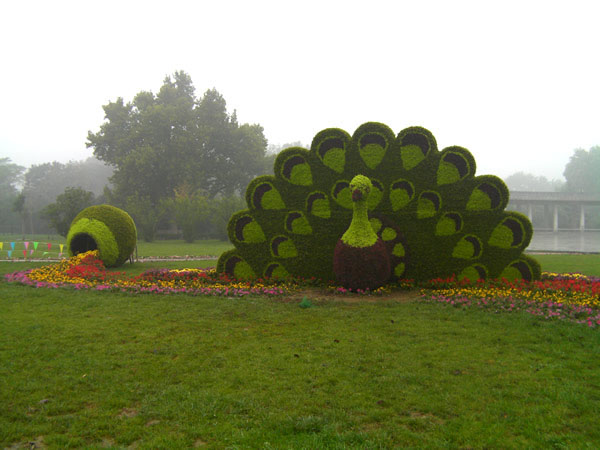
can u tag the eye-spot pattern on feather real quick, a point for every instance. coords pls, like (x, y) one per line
(372, 148)
(296, 223)
(237, 268)
(266, 196)
(317, 204)
(468, 247)
(276, 270)
(248, 231)
(509, 233)
(414, 149)
(516, 270)
(401, 193)
(342, 194)
(474, 273)
(428, 205)
(449, 224)
(485, 196)
(376, 195)
(296, 170)
(453, 167)
(332, 152)
(283, 247)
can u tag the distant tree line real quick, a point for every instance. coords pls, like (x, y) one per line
(26, 194)
(179, 165)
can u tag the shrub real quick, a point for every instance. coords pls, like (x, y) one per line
(106, 228)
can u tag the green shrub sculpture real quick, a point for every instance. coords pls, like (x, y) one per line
(361, 260)
(435, 216)
(105, 228)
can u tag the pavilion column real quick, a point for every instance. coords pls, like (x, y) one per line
(555, 225)
(530, 212)
(582, 218)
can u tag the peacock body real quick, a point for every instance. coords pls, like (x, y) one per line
(361, 260)
(435, 217)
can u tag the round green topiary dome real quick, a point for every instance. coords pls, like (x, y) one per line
(105, 228)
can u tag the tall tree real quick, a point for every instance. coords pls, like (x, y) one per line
(10, 176)
(61, 213)
(581, 172)
(191, 213)
(159, 142)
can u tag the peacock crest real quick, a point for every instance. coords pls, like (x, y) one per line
(435, 217)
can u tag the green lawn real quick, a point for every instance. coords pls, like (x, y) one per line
(207, 247)
(564, 263)
(93, 369)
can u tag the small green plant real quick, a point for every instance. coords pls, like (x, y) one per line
(305, 303)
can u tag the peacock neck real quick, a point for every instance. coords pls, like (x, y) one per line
(360, 233)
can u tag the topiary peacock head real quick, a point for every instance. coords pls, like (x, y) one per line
(432, 214)
(360, 186)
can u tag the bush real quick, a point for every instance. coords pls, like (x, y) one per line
(68, 204)
(106, 228)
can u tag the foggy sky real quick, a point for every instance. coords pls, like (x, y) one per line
(515, 82)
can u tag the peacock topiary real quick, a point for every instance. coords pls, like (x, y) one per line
(435, 218)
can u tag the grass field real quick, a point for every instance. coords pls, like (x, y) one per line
(91, 369)
(565, 263)
(205, 247)
(105, 369)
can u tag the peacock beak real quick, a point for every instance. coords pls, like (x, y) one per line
(357, 195)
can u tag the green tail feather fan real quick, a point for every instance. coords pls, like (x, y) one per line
(435, 217)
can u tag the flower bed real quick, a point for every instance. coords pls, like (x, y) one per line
(86, 271)
(572, 297)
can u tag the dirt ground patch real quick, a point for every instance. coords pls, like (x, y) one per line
(317, 295)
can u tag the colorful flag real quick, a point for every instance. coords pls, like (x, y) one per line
(26, 245)
(49, 246)
(12, 245)
(24, 253)
(31, 252)
(9, 253)
(35, 244)
(44, 254)
(61, 248)
(1, 245)
(60, 255)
